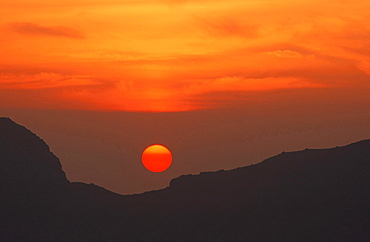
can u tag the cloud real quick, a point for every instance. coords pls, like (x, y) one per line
(51, 90)
(228, 27)
(44, 80)
(35, 29)
(242, 84)
(286, 54)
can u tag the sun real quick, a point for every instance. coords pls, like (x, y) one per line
(156, 158)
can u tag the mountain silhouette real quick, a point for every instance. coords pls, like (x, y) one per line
(309, 195)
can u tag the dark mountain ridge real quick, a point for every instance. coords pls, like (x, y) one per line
(309, 195)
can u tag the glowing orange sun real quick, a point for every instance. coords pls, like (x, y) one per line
(156, 158)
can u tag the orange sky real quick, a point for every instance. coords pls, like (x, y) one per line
(173, 55)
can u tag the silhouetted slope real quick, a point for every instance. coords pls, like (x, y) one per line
(31, 179)
(26, 159)
(310, 195)
(37, 201)
(305, 195)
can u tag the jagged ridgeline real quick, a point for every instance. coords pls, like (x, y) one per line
(309, 195)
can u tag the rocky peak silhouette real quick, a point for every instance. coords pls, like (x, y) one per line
(28, 168)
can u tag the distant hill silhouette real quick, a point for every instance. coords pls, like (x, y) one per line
(309, 195)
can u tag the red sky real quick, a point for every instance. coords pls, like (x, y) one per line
(100, 80)
(163, 55)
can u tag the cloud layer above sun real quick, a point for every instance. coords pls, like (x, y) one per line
(175, 55)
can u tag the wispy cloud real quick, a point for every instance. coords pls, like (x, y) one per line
(44, 80)
(228, 27)
(35, 29)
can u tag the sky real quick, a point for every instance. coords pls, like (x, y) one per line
(224, 83)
